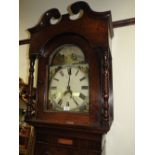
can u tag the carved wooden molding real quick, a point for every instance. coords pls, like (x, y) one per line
(116, 24)
(106, 88)
(31, 106)
(74, 9)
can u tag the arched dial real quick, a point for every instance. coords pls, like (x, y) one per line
(69, 88)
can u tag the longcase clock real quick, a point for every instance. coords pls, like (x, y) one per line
(74, 100)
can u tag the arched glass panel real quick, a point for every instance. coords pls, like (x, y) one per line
(68, 80)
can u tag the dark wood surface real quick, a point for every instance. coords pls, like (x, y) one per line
(116, 24)
(67, 142)
(71, 133)
(125, 22)
(24, 41)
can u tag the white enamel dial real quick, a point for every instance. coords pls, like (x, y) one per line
(69, 88)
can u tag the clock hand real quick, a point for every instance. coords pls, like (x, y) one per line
(67, 92)
(75, 101)
(69, 73)
(60, 102)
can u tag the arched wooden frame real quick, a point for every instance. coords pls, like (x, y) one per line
(92, 60)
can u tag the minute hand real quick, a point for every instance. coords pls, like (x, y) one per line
(69, 73)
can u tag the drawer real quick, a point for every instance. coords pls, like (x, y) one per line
(45, 149)
(56, 141)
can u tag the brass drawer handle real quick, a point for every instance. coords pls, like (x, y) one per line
(65, 141)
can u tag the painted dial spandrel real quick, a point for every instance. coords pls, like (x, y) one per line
(68, 54)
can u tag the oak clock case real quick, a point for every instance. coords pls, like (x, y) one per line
(74, 98)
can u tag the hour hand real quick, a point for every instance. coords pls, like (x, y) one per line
(69, 71)
(68, 89)
(60, 102)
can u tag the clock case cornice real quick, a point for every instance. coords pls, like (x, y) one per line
(96, 29)
(92, 26)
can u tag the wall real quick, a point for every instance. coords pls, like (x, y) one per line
(120, 139)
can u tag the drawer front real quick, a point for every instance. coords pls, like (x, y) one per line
(52, 144)
(45, 149)
(56, 140)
